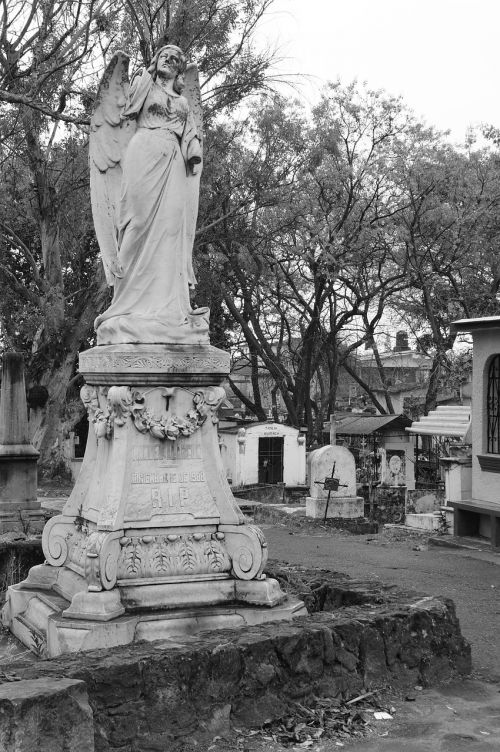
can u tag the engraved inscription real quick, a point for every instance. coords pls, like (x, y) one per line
(145, 478)
(166, 499)
(170, 451)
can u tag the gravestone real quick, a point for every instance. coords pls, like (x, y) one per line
(19, 508)
(344, 503)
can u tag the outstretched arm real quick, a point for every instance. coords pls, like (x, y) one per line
(139, 89)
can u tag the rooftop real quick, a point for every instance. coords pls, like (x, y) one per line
(472, 325)
(448, 420)
(360, 424)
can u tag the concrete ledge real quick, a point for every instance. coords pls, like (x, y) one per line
(344, 507)
(426, 521)
(149, 695)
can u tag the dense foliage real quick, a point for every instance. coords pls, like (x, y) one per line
(314, 225)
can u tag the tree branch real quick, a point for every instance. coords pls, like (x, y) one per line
(11, 98)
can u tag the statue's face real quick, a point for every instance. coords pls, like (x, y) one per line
(169, 63)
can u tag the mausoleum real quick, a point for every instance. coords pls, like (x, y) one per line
(480, 514)
(267, 453)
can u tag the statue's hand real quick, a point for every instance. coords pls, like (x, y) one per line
(116, 268)
(194, 155)
(194, 165)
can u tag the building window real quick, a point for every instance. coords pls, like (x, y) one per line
(493, 406)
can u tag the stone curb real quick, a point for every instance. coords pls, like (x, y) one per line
(153, 696)
(480, 551)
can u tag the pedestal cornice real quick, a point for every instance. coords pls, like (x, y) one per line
(154, 364)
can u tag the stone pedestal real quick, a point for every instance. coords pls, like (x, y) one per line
(151, 526)
(19, 508)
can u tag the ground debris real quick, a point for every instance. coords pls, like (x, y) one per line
(323, 719)
(8, 677)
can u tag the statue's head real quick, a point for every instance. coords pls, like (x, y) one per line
(169, 62)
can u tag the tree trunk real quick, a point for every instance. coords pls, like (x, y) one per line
(364, 386)
(432, 389)
(54, 366)
(383, 379)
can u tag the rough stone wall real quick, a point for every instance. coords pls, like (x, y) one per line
(151, 696)
(387, 505)
(46, 715)
(421, 500)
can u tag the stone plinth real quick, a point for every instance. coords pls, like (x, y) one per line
(19, 507)
(345, 507)
(151, 524)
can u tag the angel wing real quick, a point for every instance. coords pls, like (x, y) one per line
(192, 93)
(109, 137)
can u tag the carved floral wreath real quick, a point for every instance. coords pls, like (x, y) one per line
(124, 403)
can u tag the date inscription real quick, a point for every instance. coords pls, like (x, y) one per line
(144, 479)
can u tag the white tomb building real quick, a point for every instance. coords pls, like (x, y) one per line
(265, 453)
(479, 515)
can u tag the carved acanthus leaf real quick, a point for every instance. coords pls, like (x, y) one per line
(151, 556)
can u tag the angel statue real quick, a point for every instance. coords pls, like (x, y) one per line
(145, 161)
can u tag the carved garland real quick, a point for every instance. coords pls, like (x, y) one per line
(123, 402)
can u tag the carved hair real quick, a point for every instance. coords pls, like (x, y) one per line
(179, 79)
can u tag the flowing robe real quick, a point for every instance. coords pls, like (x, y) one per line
(151, 300)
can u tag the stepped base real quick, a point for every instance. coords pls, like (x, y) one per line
(42, 620)
(345, 507)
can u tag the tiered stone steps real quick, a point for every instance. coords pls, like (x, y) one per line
(30, 625)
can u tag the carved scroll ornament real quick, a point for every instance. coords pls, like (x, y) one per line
(247, 548)
(88, 552)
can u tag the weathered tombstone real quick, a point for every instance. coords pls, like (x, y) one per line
(343, 499)
(19, 508)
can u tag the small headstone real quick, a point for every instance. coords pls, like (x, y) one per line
(321, 462)
(343, 499)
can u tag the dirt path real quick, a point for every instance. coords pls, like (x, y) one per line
(456, 717)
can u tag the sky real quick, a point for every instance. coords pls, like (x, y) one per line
(442, 56)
